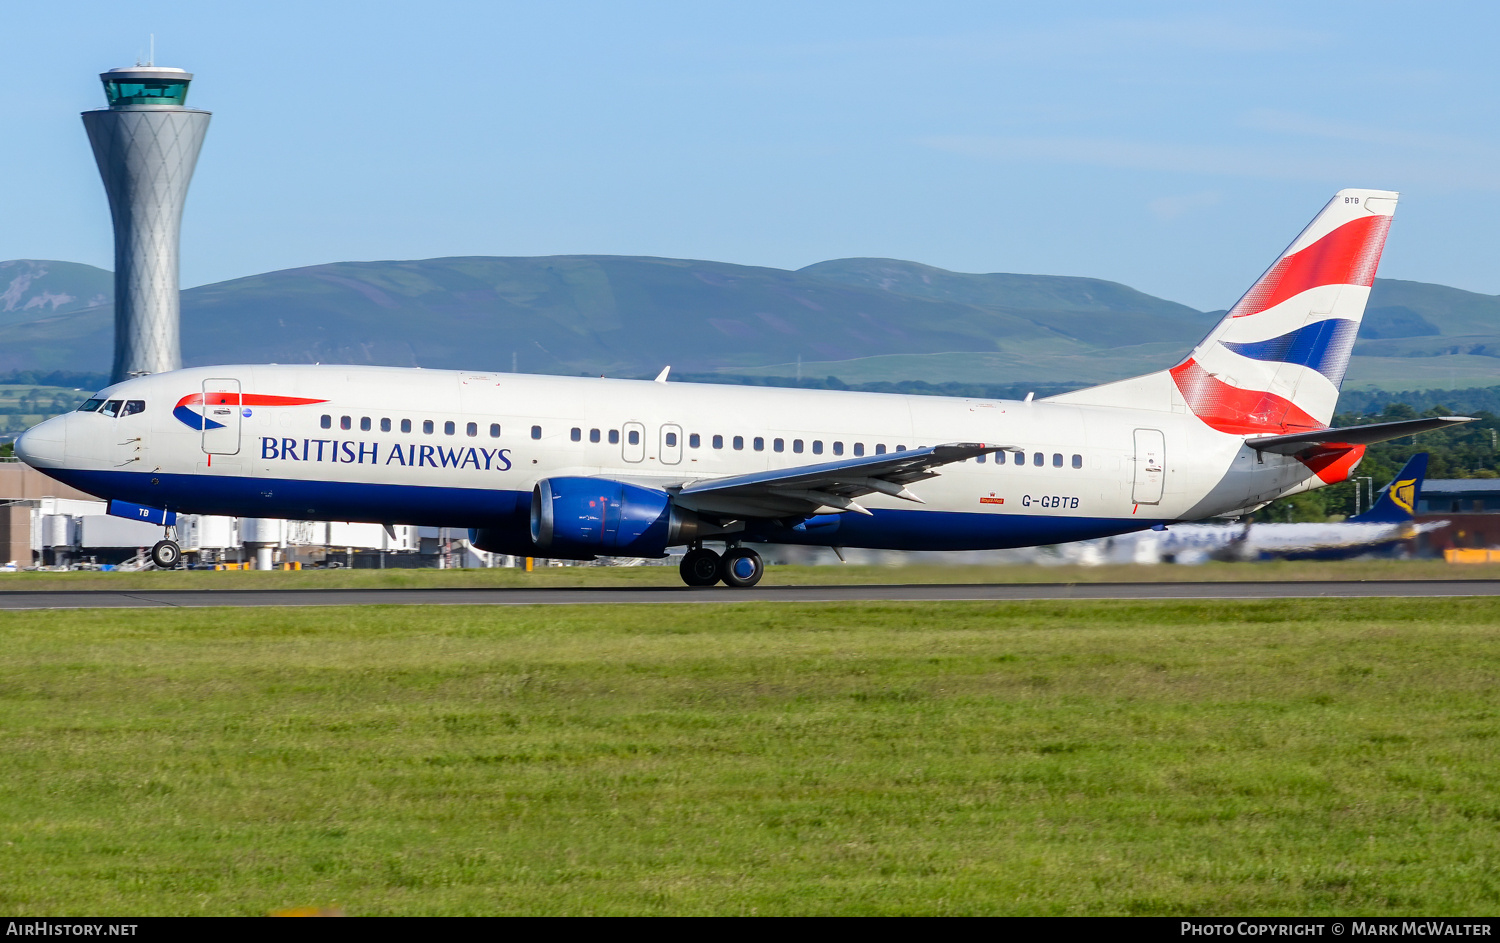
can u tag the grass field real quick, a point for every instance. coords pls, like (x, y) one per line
(1309, 757)
(775, 575)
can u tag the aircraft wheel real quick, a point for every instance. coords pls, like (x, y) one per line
(166, 554)
(742, 568)
(699, 567)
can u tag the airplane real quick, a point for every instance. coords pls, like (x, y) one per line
(1389, 521)
(578, 468)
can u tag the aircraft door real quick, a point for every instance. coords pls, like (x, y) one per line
(1150, 466)
(671, 444)
(221, 416)
(635, 442)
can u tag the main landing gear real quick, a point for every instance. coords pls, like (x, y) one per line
(739, 567)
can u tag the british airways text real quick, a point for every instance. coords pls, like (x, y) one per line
(344, 452)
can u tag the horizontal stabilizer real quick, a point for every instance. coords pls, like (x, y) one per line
(1352, 435)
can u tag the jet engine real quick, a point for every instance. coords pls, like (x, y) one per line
(581, 517)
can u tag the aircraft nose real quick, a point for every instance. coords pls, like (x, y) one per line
(42, 445)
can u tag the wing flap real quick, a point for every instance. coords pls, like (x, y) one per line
(807, 488)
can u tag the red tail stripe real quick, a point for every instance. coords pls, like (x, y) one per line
(1333, 462)
(1238, 411)
(1346, 256)
(246, 399)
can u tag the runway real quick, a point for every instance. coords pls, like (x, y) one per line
(911, 592)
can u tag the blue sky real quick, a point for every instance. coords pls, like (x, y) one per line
(1172, 147)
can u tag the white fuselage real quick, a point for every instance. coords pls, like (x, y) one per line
(457, 448)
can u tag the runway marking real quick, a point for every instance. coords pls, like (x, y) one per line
(16, 600)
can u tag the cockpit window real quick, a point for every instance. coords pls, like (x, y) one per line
(133, 406)
(111, 408)
(91, 405)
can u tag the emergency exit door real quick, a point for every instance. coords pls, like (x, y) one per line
(221, 417)
(1150, 466)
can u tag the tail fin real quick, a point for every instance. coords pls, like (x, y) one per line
(1398, 502)
(1275, 362)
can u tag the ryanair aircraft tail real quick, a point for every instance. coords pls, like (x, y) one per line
(1275, 362)
(1398, 502)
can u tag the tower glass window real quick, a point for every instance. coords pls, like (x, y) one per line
(143, 90)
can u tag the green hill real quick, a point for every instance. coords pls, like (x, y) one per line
(31, 288)
(862, 320)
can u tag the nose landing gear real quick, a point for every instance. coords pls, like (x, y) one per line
(739, 567)
(166, 554)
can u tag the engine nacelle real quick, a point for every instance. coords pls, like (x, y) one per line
(580, 517)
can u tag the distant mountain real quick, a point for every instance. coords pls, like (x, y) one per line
(861, 320)
(32, 287)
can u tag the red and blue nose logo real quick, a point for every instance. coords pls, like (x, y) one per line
(195, 409)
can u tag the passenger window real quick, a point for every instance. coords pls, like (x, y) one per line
(817, 446)
(494, 430)
(364, 424)
(345, 422)
(427, 427)
(901, 448)
(326, 422)
(449, 428)
(859, 448)
(760, 444)
(778, 445)
(634, 437)
(1038, 459)
(880, 449)
(1056, 459)
(797, 446)
(576, 434)
(980, 459)
(93, 404)
(406, 425)
(671, 440)
(593, 435)
(718, 442)
(536, 432)
(838, 448)
(472, 429)
(111, 408)
(1077, 461)
(614, 437)
(694, 441)
(385, 425)
(739, 443)
(999, 458)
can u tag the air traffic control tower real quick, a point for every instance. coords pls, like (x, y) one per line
(146, 144)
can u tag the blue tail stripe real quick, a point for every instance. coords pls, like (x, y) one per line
(1323, 347)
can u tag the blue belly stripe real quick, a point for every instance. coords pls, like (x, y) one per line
(510, 511)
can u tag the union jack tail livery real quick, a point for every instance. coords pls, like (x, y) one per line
(1274, 364)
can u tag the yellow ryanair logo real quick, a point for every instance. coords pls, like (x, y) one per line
(1404, 493)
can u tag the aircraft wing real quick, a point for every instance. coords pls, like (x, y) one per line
(805, 489)
(1352, 435)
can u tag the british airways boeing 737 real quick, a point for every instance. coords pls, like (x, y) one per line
(578, 468)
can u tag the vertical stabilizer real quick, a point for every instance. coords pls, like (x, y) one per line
(1398, 502)
(1275, 362)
